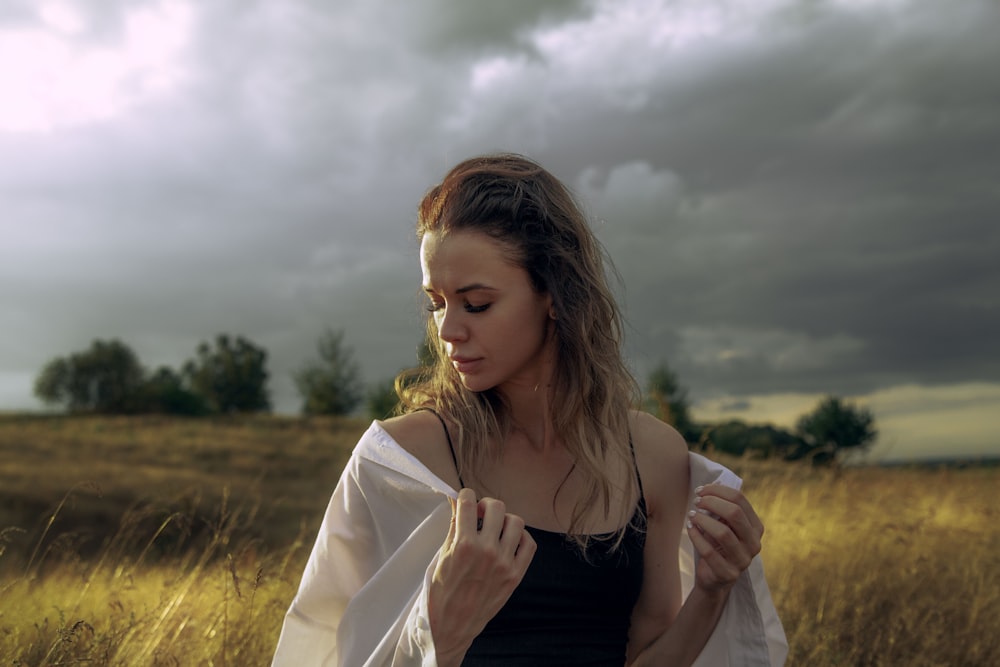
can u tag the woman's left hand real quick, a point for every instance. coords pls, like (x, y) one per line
(726, 533)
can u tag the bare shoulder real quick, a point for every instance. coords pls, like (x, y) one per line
(657, 442)
(415, 431)
(662, 456)
(422, 435)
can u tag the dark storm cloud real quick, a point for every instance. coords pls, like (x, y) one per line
(800, 198)
(450, 29)
(833, 187)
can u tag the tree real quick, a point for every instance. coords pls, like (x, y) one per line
(232, 377)
(52, 384)
(165, 391)
(106, 378)
(738, 438)
(382, 399)
(832, 427)
(666, 399)
(331, 385)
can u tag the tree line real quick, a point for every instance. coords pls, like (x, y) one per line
(229, 376)
(225, 376)
(823, 435)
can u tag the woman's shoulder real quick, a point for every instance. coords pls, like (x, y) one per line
(662, 457)
(423, 435)
(656, 438)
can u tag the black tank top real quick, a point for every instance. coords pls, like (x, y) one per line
(570, 609)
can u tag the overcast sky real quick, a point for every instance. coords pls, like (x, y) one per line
(802, 197)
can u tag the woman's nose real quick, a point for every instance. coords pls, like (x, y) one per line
(450, 326)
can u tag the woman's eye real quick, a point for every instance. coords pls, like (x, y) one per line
(469, 308)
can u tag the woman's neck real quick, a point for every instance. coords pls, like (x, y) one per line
(531, 417)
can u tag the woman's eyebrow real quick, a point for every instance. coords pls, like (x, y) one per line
(473, 287)
(462, 290)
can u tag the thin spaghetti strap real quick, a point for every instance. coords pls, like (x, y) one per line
(638, 477)
(451, 447)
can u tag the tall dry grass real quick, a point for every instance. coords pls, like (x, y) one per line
(883, 567)
(164, 542)
(218, 604)
(154, 541)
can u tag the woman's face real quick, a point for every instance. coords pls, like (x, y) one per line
(496, 328)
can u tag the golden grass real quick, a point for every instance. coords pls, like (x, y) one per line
(884, 566)
(192, 549)
(213, 613)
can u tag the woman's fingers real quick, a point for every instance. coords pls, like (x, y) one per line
(478, 569)
(726, 532)
(732, 508)
(492, 512)
(518, 542)
(485, 528)
(722, 540)
(466, 513)
(450, 539)
(721, 572)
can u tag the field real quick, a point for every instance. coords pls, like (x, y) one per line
(155, 541)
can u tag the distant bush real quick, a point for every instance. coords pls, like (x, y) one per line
(166, 392)
(667, 399)
(231, 376)
(759, 440)
(833, 427)
(105, 378)
(330, 385)
(382, 400)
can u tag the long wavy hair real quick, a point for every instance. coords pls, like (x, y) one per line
(531, 214)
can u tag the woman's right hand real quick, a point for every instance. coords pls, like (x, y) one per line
(477, 571)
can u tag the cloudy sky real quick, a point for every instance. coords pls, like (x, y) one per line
(801, 196)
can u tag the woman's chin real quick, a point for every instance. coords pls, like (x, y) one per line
(474, 383)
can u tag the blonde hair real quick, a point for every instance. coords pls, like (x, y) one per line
(531, 213)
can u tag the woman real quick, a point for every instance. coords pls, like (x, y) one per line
(575, 514)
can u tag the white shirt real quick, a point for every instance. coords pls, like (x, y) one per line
(363, 597)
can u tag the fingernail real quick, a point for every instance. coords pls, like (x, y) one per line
(692, 513)
(687, 522)
(697, 500)
(698, 490)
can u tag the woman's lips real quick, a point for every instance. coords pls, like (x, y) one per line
(465, 364)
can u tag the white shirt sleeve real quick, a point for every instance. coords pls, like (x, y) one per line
(362, 601)
(749, 632)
